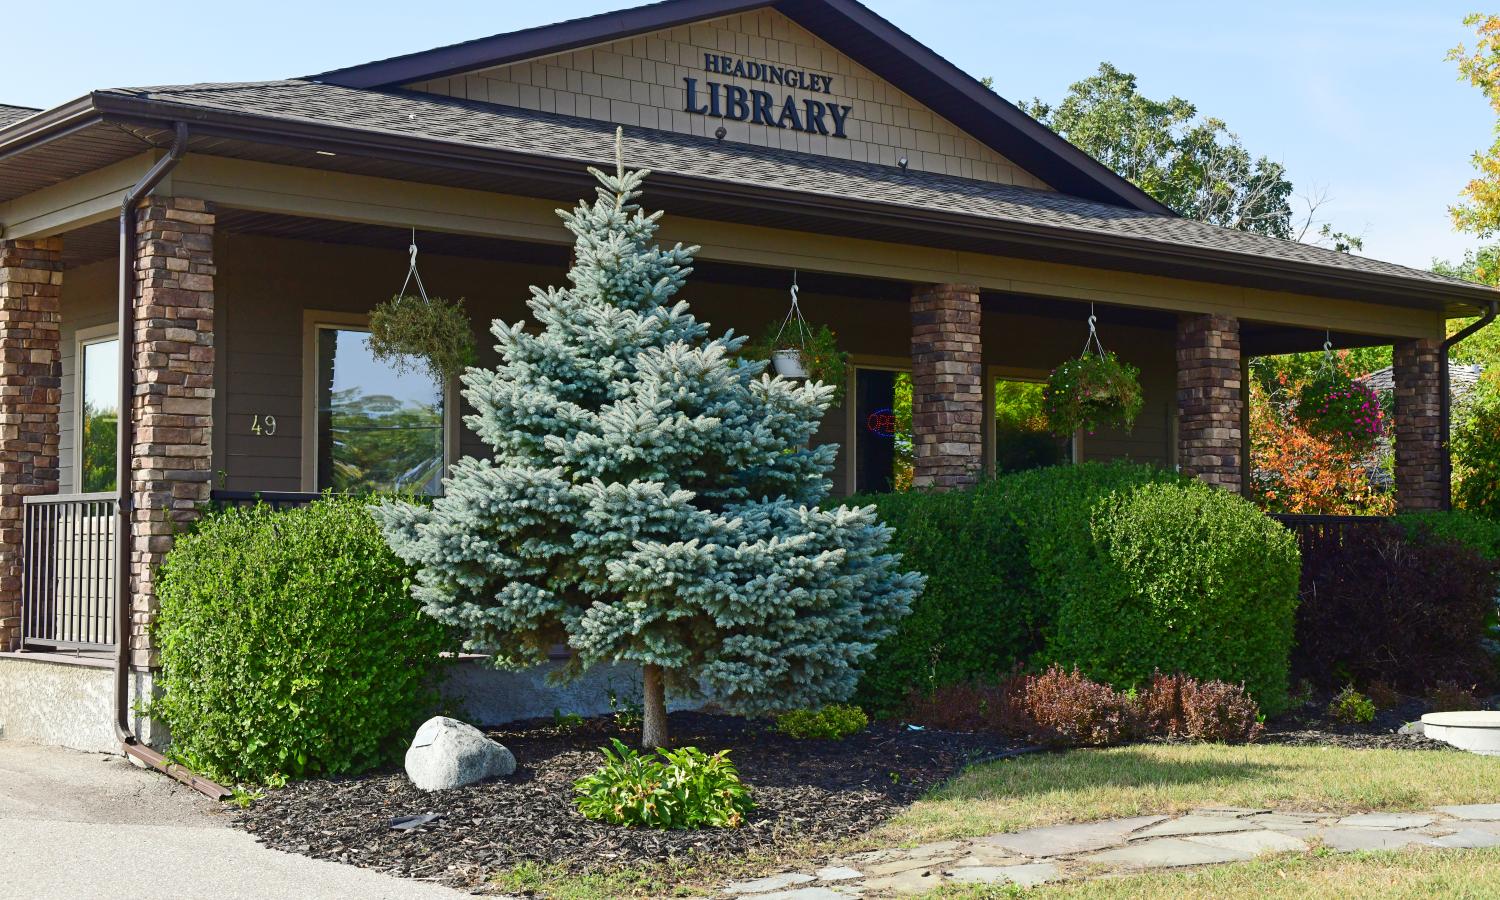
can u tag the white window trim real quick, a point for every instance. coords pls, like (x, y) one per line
(314, 321)
(83, 337)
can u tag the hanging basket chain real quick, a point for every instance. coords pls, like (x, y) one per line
(794, 315)
(1093, 339)
(412, 273)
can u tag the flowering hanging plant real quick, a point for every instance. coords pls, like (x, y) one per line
(1094, 391)
(1335, 406)
(820, 351)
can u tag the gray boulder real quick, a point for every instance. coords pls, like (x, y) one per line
(447, 753)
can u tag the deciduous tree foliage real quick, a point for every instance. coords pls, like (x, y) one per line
(1479, 212)
(1189, 162)
(651, 499)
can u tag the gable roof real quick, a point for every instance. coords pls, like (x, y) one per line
(847, 25)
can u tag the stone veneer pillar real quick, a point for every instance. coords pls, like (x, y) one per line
(30, 393)
(947, 401)
(1210, 400)
(171, 472)
(1419, 441)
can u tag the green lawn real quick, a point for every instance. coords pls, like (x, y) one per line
(1084, 785)
(1405, 874)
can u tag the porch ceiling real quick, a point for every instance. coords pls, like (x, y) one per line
(100, 241)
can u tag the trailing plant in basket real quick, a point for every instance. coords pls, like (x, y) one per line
(821, 356)
(422, 334)
(1335, 406)
(1091, 392)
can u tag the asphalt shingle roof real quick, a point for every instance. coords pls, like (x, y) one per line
(475, 123)
(12, 114)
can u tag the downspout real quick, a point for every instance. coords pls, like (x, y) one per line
(1445, 402)
(132, 745)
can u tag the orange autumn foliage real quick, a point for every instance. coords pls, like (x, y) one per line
(1294, 471)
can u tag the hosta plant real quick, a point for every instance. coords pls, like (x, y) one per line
(677, 789)
(1094, 391)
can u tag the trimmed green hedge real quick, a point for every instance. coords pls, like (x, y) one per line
(1180, 578)
(1479, 533)
(985, 608)
(290, 645)
(1120, 568)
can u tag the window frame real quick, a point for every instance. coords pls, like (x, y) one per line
(83, 338)
(316, 321)
(995, 374)
(852, 430)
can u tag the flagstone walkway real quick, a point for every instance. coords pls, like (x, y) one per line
(1202, 837)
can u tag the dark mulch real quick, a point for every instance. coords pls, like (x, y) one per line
(1310, 726)
(805, 791)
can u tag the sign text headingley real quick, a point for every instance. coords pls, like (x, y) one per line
(730, 101)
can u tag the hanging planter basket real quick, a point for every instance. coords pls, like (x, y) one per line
(798, 350)
(788, 363)
(1092, 392)
(422, 333)
(1336, 407)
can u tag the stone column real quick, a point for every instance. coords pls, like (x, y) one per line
(1210, 400)
(1419, 441)
(947, 379)
(171, 472)
(30, 391)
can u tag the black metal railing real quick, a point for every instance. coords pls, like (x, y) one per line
(273, 499)
(68, 570)
(1315, 531)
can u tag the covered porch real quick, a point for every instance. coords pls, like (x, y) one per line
(252, 379)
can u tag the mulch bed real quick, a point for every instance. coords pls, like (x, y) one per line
(805, 791)
(1311, 727)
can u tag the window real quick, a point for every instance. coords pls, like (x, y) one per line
(882, 435)
(377, 430)
(1022, 439)
(99, 414)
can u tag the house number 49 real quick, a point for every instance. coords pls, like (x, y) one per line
(263, 425)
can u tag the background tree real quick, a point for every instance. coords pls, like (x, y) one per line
(1479, 212)
(1189, 162)
(651, 498)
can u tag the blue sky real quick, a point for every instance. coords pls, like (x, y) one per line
(1354, 97)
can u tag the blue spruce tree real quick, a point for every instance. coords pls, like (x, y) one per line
(651, 498)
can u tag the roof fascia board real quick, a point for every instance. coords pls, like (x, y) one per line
(494, 161)
(531, 43)
(19, 137)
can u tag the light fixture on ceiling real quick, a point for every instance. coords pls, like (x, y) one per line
(325, 153)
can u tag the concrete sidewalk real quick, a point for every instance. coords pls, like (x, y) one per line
(86, 826)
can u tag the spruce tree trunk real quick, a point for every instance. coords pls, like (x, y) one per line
(654, 718)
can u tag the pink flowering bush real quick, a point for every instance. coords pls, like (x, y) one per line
(1344, 411)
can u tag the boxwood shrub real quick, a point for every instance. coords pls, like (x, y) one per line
(290, 644)
(1479, 533)
(1118, 568)
(1183, 578)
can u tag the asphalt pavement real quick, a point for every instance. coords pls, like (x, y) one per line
(84, 826)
